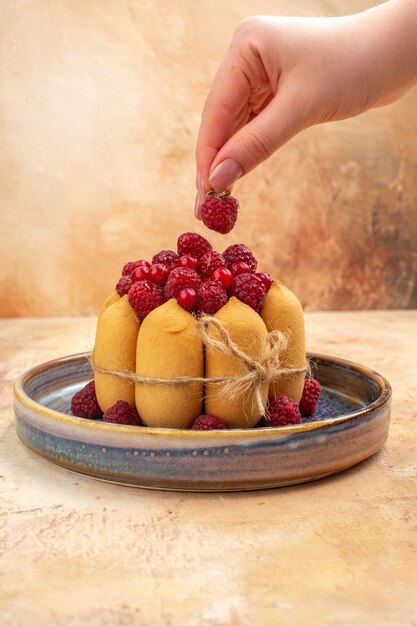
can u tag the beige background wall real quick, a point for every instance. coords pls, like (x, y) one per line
(99, 109)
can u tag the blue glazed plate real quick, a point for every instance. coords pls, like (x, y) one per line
(351, 424)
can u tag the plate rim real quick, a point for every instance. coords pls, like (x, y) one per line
(187, 434)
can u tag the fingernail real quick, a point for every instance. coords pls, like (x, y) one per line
(199, 197)
(225, 174)
(197, 207)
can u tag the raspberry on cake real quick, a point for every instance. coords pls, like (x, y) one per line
(240, 268)
(144, 297)
(248, 288)
(211, 297)
(266, 279)
(210, 262)
(167, 257)
(123, 286)
(194, 244)
(238, 252)
(179, 279)
(219, 211)
(188, 261)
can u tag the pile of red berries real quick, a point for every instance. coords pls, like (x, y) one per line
(201, 279)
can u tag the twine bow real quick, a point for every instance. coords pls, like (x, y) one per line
(256, 372)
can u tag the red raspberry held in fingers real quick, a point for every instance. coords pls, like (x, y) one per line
(211, 297)
(167, 257)
(194, 244)
(219, 212)
(180, 278)
(210, 262)
(158, 273)
(240, 268)
(188, 261)
(267, 279)
(310, 397)
(224, 275)
(123, 286)
(281, 412)
(84, 403)
(239, 252)
(187, 298)
(140, 273)
(248, 288)
(122, 413)
(208, 422)
(144, 297)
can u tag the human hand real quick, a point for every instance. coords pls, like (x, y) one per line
(284, 74)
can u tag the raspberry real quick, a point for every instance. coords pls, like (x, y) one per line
(84, 403)
(167, 257)
(209, 262)
(281, 412)
(141, 272)
(194, 244)
(122, 413)
(266, 279)
(208, 422)
(158, 273)
(219, 212)
(141, 263)
(248, 288)
(211, 297)
(240, 268)
(188, 261)
(123, 286)
(239, 252)
(224, 275)
(310, 397)
(128, 268)
(144, 297)
(179, 279)
(187, 298)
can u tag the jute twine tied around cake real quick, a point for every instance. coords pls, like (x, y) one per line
(257, 372)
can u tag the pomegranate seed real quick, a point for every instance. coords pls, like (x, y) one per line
(224, 275)
(240, 267)
(187, 298)
(140, 273)
(158, 273)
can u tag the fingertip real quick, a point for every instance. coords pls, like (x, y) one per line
(225, 174)
(197, 207)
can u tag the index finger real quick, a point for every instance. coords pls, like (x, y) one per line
(222, 113)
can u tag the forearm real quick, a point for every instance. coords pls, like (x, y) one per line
(390, 33)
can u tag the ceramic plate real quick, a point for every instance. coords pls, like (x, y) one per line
(351, 424)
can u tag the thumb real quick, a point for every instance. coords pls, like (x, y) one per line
(257, 140)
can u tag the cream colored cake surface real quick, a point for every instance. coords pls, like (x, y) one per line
(115, 349)
(168, 346)
(248, 331)
(281, 310)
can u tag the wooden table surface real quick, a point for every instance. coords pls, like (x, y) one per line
(341, 551)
